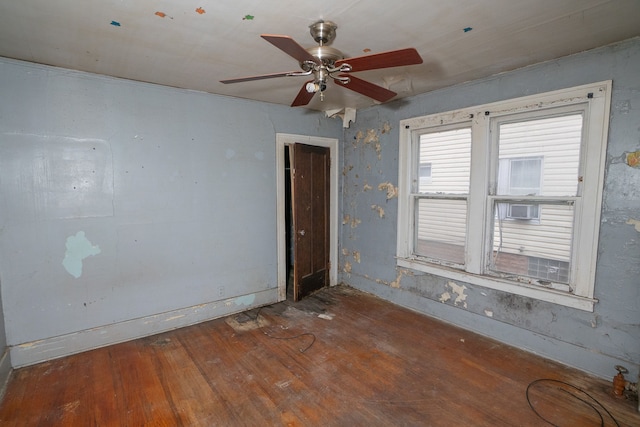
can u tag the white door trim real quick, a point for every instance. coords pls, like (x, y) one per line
(282, 140)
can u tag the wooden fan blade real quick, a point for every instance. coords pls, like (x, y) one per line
(259, 77)
(394, 58)
(368, 89)
(290, 47)
(304, 96)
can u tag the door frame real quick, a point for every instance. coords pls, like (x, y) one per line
(282, 141)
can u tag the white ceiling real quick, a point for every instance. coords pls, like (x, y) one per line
(196, 44)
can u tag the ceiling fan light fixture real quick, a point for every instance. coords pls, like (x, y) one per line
(326, 62)
(312, 87)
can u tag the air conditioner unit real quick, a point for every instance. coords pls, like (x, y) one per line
(517, 211)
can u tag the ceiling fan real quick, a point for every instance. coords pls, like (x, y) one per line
(324, 63)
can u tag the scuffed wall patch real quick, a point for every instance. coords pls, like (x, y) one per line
(347, 267)
(78, 248)
(246, 300)
(395, 283)
(458, 291)
(635, 223)
(633, 159)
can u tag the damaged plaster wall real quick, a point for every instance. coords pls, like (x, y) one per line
(131, 208)
(593, 342)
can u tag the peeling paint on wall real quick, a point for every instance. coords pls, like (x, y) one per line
(635, 223)
(396, 283)
(392, 191)
(356, 256)
(353, 222)
(633, 159)
(378, 150)
(457, 290)
(488, 313)
(78, 248)
(379, 209)
(366, 187)
(372, 136)
(446, 296)
(347, 267)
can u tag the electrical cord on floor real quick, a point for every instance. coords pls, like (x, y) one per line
(302, 350)
(592, 405)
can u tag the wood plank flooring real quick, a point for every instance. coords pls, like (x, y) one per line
(338, 358)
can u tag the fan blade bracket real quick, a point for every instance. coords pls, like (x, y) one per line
(342, 68)
(343, 79)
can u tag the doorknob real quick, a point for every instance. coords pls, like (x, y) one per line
(301, 232)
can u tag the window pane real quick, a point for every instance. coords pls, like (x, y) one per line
(524, 176)
(540, 156)
(541, 249)
(425, 173)
(441, 229)
(449, 155)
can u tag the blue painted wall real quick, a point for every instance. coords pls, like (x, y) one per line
(123, 200)
(593, 342)
(159, 197)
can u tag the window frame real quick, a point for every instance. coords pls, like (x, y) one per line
(594, 100)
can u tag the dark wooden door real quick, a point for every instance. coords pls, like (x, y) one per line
(310, 198)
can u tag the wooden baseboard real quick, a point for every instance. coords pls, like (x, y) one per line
(64, 345)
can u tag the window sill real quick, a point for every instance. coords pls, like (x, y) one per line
(531, 291)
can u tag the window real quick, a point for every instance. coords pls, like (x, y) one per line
(519, 176)
(425, 174)
(508, 195)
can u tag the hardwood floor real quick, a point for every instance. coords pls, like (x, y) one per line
(337, 358)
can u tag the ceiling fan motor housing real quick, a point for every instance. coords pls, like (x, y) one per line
(327, 55)
(323, 32)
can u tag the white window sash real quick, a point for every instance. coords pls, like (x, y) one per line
(483, 120)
